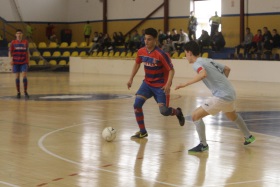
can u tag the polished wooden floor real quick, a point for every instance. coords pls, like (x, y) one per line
(58, 142)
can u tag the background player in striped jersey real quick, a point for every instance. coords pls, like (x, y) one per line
(214, 76)
(159, 73)
(19, 55)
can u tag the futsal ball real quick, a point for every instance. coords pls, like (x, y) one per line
(109, 134)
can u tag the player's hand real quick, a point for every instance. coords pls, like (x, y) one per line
(166, 89)
(129, 83)
(180, 86)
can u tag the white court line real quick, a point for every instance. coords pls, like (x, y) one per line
(8, 184)
(40, 144)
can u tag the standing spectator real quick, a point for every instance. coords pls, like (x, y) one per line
(215, 22)
(215, 76)
(174, 38)
(266, 39)
(218, 41)
(87, 32)
(50, 31)
(192, 26)
(257, 42)
(246, 43)
(203, 41)
(275, 41)
(184, 38)
(29, 31)
(159, 73)
(19, 55)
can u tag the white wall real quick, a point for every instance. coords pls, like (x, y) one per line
(260, 71)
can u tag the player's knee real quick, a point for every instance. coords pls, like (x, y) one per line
(195, 116)
(138, 103)
(164, 110)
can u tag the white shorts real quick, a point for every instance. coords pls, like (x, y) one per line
(214, 105)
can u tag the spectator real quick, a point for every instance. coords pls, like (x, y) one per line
(175, 38)
(192, 26)
(29, 31)
(118, 39)
(184, 38)
(218, 41)
(135, 41)
(215, 22)
(246, 43)
(256, 44)
(50, 31)
(161, 37)
(142, 38)
(266, 39)
(106, 43)
(166, 47)
(275, 41)
(87, 32)
(96, 42)
(203, 41)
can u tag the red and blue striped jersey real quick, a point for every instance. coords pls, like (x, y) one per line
(157, 65)
(19, 51)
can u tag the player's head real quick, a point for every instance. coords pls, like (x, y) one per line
(191, 49)
(151, 38)
(19, 34)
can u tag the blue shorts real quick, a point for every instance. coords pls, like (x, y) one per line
(148, 91)
(17, 68)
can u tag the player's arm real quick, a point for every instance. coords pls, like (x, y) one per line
(133, 73)
(10, 55)
(167, 86)
(201, 75)
(226, 71)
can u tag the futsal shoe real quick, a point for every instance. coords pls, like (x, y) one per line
(140, 135)
(26, 95)
(200, 148)
(249, 140)
(18, 95)
(180, 116)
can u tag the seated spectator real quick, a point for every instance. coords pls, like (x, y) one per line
(106, 43)
(96, 42)
(166, 47)
(266, 39)
(161, 37)
(135, 41)
(218, 41)
(174, 38)
(203, 40)
(142, 38)
(118, 39)
(184, 38)
(275, 41)
(246, 43)
(256, 44)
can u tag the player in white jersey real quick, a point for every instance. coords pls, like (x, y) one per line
(214, 75)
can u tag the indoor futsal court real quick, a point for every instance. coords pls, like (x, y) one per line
(54, 138)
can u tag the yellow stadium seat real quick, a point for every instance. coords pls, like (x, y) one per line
(123, 54)
(175, 55)
(41, 62)
(63, 45)
(90, 44)
(134, 55)
(94, 54)
(32, 63)
(62, 63)
(53, 62)
(117, 54)
(46, 53)
(73, 45)
(100, 54)
(32, 45)
(83, 54)
(205, 55)
(42, 45)
(111, 54)
(74, 54)
(36, 53)
(105, 54)
(57, 54)
(66, 54)
(53, 45)
(83, 45)
(182, 55)
(129, 54)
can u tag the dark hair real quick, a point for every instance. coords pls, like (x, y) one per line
(193, 47)
(151, 31)
(19, 30)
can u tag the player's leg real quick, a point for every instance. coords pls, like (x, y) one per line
(24, 69)
(141, 96)
(238, 120)
(16, 70)
(163, 102)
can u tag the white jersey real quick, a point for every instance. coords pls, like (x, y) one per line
(216, 80)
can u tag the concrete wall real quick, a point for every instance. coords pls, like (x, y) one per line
(260, 71)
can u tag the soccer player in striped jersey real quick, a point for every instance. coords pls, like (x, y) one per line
(19, 55)
(159, 73)
(214, 75)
